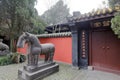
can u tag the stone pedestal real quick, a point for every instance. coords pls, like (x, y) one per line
(37, 72)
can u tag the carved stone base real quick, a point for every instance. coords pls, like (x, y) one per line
(37, 72)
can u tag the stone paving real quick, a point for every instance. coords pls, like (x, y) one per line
(66, 72)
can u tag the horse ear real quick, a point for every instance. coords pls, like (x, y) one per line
(27, 34)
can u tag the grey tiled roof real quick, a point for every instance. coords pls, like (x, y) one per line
(65, 34)
(99, 13)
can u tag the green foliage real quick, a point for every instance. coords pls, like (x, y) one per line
(113, 2)
(17, 16)
(12, 58)
(116, 24)
(39, 25)
(22, 58)
(56, 14)
(5, 60)
(17, 57)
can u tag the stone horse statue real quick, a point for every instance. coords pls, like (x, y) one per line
(35, 48)
(4, 49)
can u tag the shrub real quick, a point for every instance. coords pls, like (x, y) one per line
(18, 57)
(115, 24)
(22, 58)
(5, 60)
(12, 58)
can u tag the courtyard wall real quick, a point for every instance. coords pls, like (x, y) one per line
(63, 46)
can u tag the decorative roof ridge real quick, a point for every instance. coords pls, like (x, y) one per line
(64, 34)
(96, 13)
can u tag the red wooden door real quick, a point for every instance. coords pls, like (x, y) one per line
(105, 51)
(113, 51)
(98, 49)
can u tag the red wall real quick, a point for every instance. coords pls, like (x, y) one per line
(63, 48)
(22, 50)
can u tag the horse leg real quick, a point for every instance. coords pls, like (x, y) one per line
(36, 59)
(33, 60)
(46, 57)
(28, 60)
(51, 57)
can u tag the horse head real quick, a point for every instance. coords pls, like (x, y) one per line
(25, 37)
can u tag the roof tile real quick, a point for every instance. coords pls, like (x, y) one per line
(65, 34)
(97, 13)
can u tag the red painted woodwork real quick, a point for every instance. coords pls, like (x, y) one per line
(90, 49)
(105, 51)
(63, 48)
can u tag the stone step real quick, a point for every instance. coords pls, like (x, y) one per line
(40, 66)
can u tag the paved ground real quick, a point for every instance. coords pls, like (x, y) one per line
(66, 73)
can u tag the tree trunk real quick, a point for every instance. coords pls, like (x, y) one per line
(12, 45)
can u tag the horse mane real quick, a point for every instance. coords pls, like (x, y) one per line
(35, 39)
